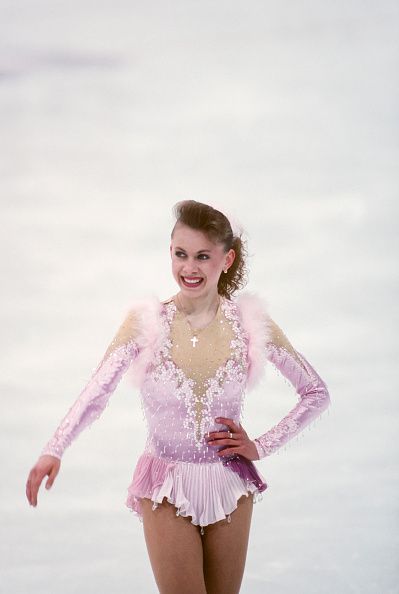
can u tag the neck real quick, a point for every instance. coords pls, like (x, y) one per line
(199, 305)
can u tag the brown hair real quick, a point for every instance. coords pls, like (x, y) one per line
(217, 228)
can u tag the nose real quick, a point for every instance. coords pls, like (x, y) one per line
(190, 267)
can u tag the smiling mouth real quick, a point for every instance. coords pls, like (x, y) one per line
(192, 282)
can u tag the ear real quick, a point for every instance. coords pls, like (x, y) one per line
(170, 250)
(231, 255)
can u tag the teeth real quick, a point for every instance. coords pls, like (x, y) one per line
(192, 282)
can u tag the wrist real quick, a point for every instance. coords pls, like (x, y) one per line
(261, 451)
(51, 451)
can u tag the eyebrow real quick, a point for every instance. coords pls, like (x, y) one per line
(183, 250)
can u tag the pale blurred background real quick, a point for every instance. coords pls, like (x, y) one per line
(285, 115)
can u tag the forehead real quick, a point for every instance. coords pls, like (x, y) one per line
(188, 238)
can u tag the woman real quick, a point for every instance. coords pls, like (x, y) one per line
(193, 357)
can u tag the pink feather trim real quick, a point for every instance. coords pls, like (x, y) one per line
(253, 312)
(149, 338)
(255, 319)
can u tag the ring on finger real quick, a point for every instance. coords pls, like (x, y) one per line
(230, 435)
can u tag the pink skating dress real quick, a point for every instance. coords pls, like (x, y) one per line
(184, 385)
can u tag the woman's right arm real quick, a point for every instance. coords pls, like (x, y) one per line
(88, 406)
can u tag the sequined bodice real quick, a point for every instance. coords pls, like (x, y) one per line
(188, 385)
(185, 387)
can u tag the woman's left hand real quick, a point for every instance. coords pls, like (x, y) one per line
(239, 443)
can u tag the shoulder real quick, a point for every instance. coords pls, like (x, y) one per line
(249, 302)
(144, 308)
(253, 310)
(143, 317)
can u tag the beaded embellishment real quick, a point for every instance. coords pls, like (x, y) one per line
(234, 369)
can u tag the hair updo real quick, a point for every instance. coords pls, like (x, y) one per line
(216, 226)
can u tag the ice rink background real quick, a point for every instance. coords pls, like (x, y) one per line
(285, 114)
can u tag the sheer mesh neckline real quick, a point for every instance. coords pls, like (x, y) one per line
(178, 326)
(180, 313)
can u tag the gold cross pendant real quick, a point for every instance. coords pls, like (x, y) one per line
(194, 340)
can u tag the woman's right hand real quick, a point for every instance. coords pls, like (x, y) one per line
(46, 465)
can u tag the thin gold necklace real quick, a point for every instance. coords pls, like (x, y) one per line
(196, 331)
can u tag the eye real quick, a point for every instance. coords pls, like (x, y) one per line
(180, 254)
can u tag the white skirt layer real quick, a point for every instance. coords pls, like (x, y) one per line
(207, 492)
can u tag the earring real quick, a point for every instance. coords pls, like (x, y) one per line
(225, 271)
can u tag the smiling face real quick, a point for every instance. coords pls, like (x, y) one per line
(197, 262)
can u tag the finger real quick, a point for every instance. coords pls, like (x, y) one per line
(33, 490)
(241, 429)
(239, 434)
(214, 434)
(224, 442)
(229, 422)
(51, 477)
(229, 451)
(27, 490)
(230, 441)
(35, 485)
(218, 435)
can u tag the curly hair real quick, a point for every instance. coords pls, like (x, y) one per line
(216, 226)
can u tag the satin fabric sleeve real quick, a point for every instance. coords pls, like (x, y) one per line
(94, 397)
(312, 391)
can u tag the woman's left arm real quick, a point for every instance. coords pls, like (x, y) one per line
(313, 394)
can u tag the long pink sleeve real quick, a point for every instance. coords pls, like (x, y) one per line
(94, 398)
(313, 394)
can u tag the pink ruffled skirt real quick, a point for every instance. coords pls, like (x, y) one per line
(208, 492)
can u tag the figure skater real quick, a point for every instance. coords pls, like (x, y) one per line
(193, 357)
